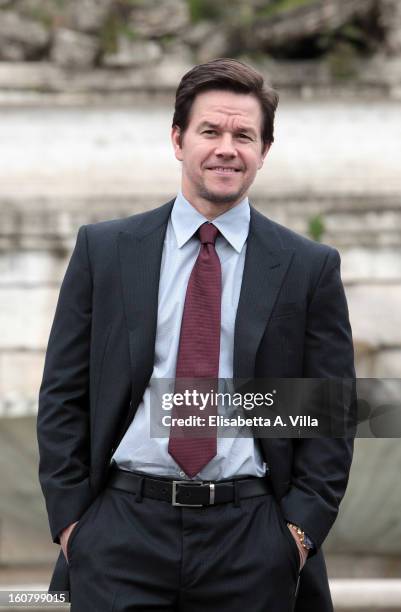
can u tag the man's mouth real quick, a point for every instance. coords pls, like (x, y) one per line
(224, 169)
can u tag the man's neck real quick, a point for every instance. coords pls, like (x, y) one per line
(211, 210)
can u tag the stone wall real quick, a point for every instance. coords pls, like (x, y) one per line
(135, 44)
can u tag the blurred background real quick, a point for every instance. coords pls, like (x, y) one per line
(86, 98)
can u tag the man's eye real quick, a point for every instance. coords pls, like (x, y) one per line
(209, 132)
(244, 137)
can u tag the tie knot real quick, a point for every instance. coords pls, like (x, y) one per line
(208, 233)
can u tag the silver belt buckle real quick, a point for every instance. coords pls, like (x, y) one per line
(174, 501)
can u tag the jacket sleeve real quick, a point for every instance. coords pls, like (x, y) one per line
(321, 465)
(63, 416)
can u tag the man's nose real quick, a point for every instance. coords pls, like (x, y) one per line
(226, 146)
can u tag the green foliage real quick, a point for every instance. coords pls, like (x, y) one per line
(40, 14)
(128, 32)
(277, 7)
(316, 227)
(353, 33)
(167, 39)
(350, 33)
(109, 34)
(114, 27)
(49, 14)
(127, 4)
(205, 9)
(59, 4)
(246, 15)
(254, 56)
(342, 61)
(137, 2)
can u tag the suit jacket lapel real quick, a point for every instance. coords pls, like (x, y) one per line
(140, 250)
(266, 264)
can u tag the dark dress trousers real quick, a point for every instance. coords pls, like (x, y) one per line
(292, 322)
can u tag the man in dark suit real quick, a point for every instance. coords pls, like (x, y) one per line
(202, 287)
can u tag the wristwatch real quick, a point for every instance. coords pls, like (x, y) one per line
(305, 541)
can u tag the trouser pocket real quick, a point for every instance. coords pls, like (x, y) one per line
(78, 527)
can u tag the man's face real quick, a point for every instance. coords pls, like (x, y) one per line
(221, 150)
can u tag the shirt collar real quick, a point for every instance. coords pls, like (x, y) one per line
(233, 224)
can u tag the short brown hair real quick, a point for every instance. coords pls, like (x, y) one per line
(225, 74)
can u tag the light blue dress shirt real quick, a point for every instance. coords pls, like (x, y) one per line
(236, 456)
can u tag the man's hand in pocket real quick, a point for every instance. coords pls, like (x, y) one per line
(303, 553)
(64, 536)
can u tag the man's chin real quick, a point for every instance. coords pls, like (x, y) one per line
(216, 197)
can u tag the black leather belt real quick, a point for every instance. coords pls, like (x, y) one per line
(189, 493)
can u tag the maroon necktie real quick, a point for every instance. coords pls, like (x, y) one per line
(198, 356)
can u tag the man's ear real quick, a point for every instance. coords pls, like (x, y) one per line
(176, 138)
(265, 150)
